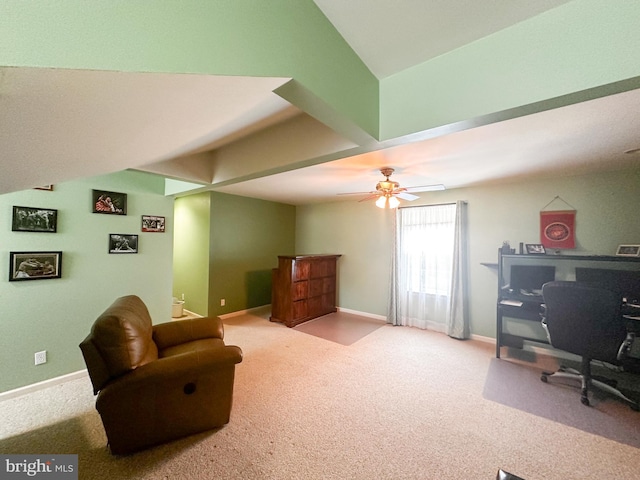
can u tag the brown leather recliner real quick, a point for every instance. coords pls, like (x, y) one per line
(156, 383)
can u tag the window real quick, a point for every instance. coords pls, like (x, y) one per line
(428, 273)
(426, 238)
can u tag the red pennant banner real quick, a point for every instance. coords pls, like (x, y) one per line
(558, 229)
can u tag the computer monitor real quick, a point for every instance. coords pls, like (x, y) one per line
(627, 282)
(530, 278)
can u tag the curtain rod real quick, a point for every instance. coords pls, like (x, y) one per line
(433, 204)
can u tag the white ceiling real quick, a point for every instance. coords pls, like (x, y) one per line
(578, 139)
(57, 125)
(390, 36)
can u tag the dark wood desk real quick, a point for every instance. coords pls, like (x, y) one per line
(519, 307)
(527, 308)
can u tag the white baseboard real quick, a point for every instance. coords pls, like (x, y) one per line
(83, 373)
(436, 327)
(363, 314)
(483, 339)
(244, 312)
(34, 387)
(186, 314)
(268, 306)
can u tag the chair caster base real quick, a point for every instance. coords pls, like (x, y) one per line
(606, 385)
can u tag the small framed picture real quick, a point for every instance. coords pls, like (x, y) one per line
(123, 243)
(151, 223)
(34, 265)
(628, 251)
(30, 219)
(535, 249)
(110, 203)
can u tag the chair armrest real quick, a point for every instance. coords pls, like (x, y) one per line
(543, 321)
(625, 348)
(176, 332)
(179, 369)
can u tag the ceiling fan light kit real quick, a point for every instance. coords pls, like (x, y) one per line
(387, 191)
(390, 201)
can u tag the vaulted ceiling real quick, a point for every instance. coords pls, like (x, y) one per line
(282, 137)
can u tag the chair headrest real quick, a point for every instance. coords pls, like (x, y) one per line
(122, 338)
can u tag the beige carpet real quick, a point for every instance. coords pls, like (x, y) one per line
(518, 385)
(400, 403)
(340, 327)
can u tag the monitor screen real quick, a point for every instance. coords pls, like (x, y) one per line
(530, 278)
(625, 281)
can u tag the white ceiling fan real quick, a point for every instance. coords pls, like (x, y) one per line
(387, 191)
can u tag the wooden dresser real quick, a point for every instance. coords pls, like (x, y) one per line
(304, 287)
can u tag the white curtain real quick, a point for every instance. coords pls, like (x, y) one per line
(428, 275)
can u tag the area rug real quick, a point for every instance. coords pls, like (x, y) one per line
(518, 385)
(340, 327)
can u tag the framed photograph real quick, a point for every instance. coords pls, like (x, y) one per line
(34, 265)
(628, 251)
(30, 219)
(123, 243)
(111, 203)
(151, 223)
(535, 249)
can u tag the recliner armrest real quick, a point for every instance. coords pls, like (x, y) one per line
(176, 332)
(166, 371)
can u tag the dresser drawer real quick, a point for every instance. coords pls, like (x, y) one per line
(315, 287)
(300, 290)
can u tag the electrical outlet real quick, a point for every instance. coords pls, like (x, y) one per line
(222, 302)
(41, 357)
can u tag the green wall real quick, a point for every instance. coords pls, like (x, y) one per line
(191, 251)
(275, 38)
(247, 235)
(360, 232)
(577, 46)
(226, 247)
(606, 205)
(241, 239)
(55, 315)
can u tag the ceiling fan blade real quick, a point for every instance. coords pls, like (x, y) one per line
(354, 193)
(390, 189)
(426, 188)
(406, 196)
(370, 197)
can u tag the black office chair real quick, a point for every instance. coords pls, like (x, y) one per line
(586, 320)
